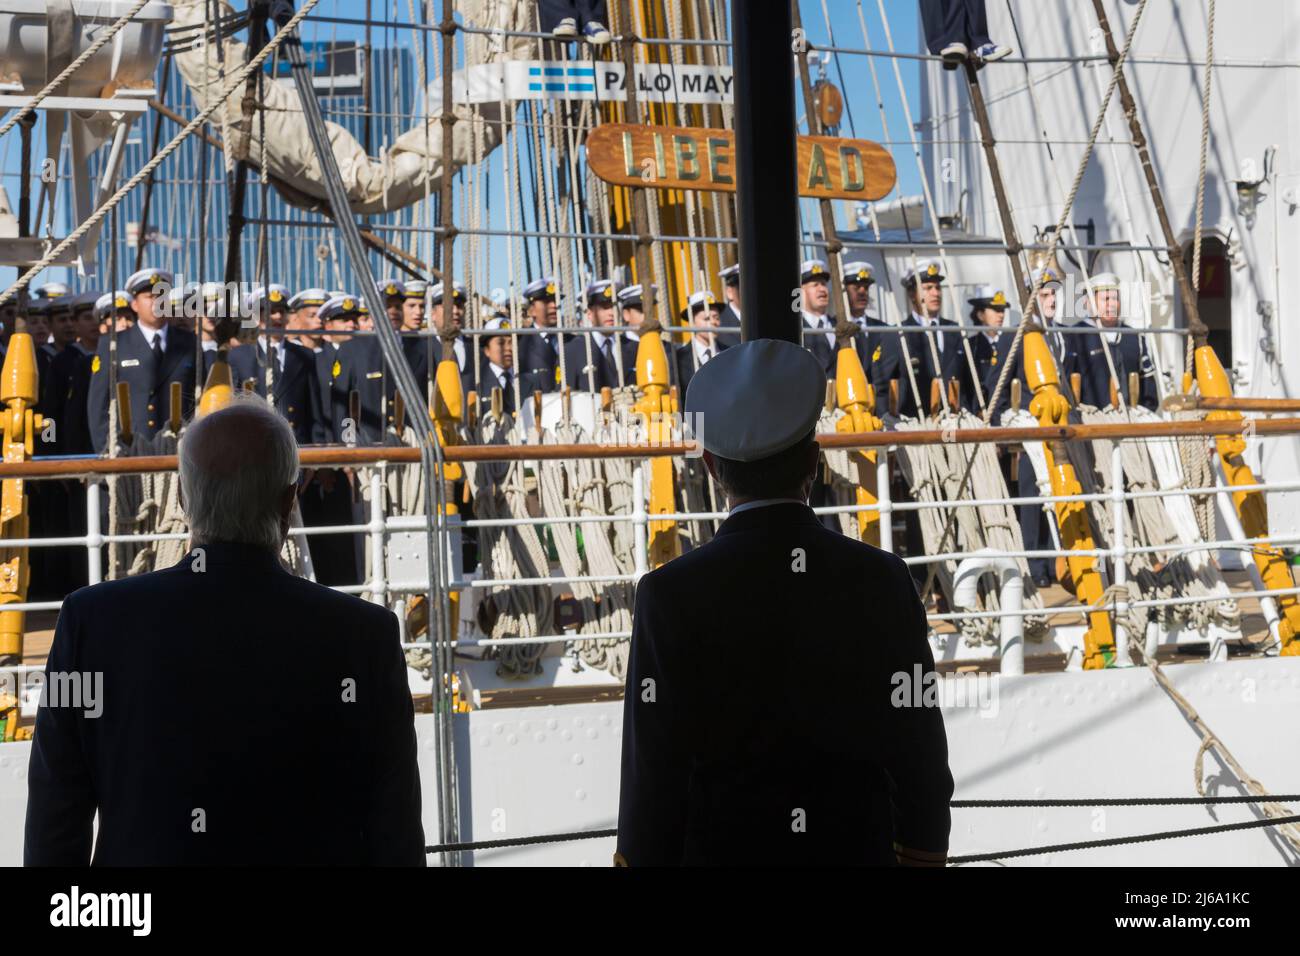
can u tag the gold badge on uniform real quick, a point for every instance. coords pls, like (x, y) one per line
(337, 367)
(875, 356)
(557, 375)
(94, 365)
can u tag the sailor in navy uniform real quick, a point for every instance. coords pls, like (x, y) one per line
(730, 314)
(362, 370)
(50, 301)
(608, 350)
(539, 355)
(462, 349)
(819, 324)
(295, 389)
(923, 284)
(326, 496)
(1128, 353)
(701, 309)
(497, 367)
(393, 292)
(989, 349)
(631, 309)
(150, 356)
(718, 770)
(859, 277)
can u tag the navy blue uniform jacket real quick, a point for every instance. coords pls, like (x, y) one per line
(150, 387)
(890, 365)
(297, 388)
(224, 737)
(726, 755)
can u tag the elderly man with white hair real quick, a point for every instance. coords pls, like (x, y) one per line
(278, 733)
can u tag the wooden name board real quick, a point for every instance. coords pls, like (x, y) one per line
(690, 157)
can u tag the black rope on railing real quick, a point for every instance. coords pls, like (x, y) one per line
(1121, 801)
(968, 804)
(522, 841)
(1121, 841)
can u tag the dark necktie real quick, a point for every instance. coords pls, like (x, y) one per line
(157, 358)
(505, 380)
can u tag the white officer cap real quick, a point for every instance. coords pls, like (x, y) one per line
(111, 302)
(457, 294)
(1105, 280)
(602, 290)
(632, 296)
(416, 289)
(1051, 279)
(859, 272)
(496, 322)
(989, 297)
(51, 290)
(543, 288)
(730, 275)
(147, 280)
(340, 304)
(928, 270)
(392, 289)
(813, 270)
(756, 399)
(698, 302)
(85, 300)
(308, 297)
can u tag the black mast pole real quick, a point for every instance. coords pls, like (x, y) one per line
(766, 171)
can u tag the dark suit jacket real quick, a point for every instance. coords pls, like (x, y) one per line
(952, 360)
(722, 751)
(814, 340)
(222, 738)
(604, 373)
(361, 364)
(1062, 351)
(540, 360)
(150, 387)
(296, 389)
(684, 357)
(1129, 354)
(990, 360)
(64, 391)
(529, 382)
(729, 317)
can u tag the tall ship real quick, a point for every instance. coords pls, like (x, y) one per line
(1071, 243)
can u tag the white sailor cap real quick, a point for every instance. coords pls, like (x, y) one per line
(756, 399)
(457, 294)
(416, 288)
(632, 296)
(112, 302)
(340, 304)
(1051, 279)
(602, 290)
(51, 290)
(698, 302)
(496, 322)
(928, 270)
(1103, 281)
(814, 270)
(989, 297)
(176, 295)
(306, 297)
(544, 288)
(212, 291)
(392, 289)
(730, 275)
(148, 280)
(859, 272)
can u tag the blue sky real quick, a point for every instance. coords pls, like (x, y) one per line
(862, 117)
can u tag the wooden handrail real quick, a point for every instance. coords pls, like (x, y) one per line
(1187, 403)
(325, 456)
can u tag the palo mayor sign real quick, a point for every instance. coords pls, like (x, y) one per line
(687, 157)
(599, 82)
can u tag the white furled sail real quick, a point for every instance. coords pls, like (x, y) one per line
(406, 172)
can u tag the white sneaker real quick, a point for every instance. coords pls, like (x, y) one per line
(596, 33)
(990, 52)
(566, 29)
(954, 52)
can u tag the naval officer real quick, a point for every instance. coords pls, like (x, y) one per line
(730, 315)
(612, 361)
(819, 324)
(726, 761)
(702, 311)
(988, 348)
(539, 355)
(923, 284)
(151, 355)
(362, 370)
(295, 388)
(859, 277)
(1128, 353)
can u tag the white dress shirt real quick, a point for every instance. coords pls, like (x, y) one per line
(149, 334)
(765, 502)
(821, 323)
(927, 323)
(279, 350)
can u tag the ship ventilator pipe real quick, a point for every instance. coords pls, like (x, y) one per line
(1010, 598)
